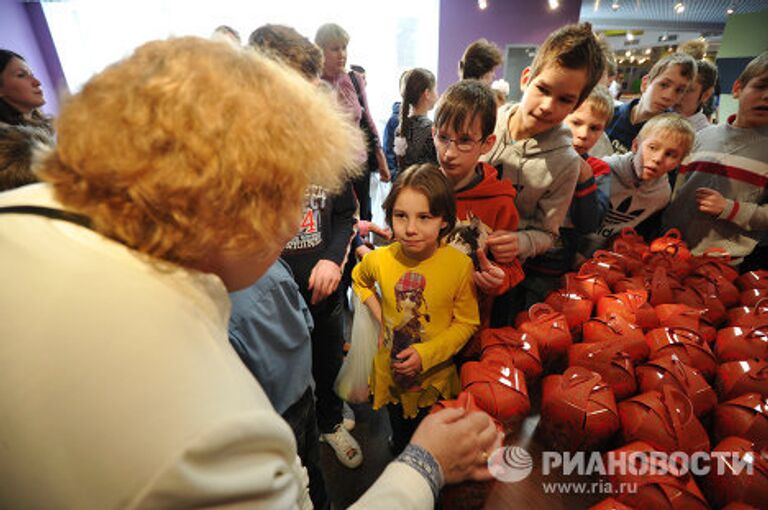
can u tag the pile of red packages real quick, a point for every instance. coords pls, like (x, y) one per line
(647, 348)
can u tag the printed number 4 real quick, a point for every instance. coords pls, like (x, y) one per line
(308, 223)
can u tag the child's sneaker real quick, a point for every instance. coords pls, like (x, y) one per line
(349, 417)
(344, 445)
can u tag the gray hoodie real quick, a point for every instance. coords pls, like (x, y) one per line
(632, 200)
(544, 170)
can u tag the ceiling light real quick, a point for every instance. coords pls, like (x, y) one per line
(482, 4)
(648, 51)
(679, 7)
(627, 53)
(630, 36)
(729, 10)
(615, 5)
(553, 4)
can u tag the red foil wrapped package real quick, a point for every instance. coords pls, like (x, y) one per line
(615, 328)
(753, 280)
(749, 316)
(735, 483)
(717, 285)
(587, 284)
(738, 344)
(464, 400)
(671, 370)
(498, 390)
(714, 309)
(576, 307)
(684, 316)
(632, 305)
(551, 331)
(659, 484)
(714, 261)
(664, 420)
(610, 361)
(751, 297)
(671, 243)
(609, 266)
(687, 344)
(745, 416)
(630, 242)
(510, 346)
(578, 410)
(736, 378)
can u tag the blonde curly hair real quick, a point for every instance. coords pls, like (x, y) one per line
(190, 147)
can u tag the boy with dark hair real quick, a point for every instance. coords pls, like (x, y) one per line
(479, 62)
(691, 106)
(662, 88)
(721, 197)
(463, 131)
(534, 150)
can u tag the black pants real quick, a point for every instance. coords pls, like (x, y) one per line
(402, 427)
(362, 187)
(302, 419)
(327, 355)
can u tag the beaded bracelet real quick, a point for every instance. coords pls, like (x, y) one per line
(423, 462)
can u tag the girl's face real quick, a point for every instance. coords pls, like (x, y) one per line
(415, 227)
(20, 88)
(430, 98)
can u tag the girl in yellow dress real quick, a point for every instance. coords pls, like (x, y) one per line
(427, 307)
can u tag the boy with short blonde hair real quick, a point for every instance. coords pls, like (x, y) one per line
(662, 88)
(637, 184)
(534, 149)
(721, 196)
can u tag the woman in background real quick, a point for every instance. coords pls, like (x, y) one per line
(350, 90)
(22, 126)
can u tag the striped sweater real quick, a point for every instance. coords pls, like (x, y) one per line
(734, 162)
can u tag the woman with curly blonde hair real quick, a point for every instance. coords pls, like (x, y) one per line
(177, 177)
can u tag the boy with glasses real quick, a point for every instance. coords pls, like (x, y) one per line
(463, 131)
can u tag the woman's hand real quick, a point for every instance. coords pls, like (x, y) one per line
(460, 442)
(490, 277)
(409, 363)
(504, 245)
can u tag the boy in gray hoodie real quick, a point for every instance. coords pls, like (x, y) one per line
(637, 184)
(534, 150)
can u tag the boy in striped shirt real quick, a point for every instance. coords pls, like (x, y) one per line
(721, 195)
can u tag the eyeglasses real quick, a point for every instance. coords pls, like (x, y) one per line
(463, 144)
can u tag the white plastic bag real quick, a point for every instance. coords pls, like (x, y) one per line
(379, 191)
(352, 382)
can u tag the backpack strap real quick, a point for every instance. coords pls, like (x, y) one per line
(49, 212)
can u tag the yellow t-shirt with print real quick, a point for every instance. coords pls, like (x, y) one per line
(433, 302)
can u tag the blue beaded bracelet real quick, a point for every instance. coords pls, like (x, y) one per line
(423, 462)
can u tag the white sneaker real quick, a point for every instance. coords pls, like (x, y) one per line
(345, 446)
(349, 417)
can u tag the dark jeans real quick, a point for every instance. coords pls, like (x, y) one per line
(327, 355)
(362, 187)
(402, 427)
(301, 417)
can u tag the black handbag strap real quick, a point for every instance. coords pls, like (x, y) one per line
(49, 212)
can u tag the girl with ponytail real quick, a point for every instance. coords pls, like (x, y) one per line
(413, 143)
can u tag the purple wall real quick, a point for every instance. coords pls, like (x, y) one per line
(503, 22)
(23, 30)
